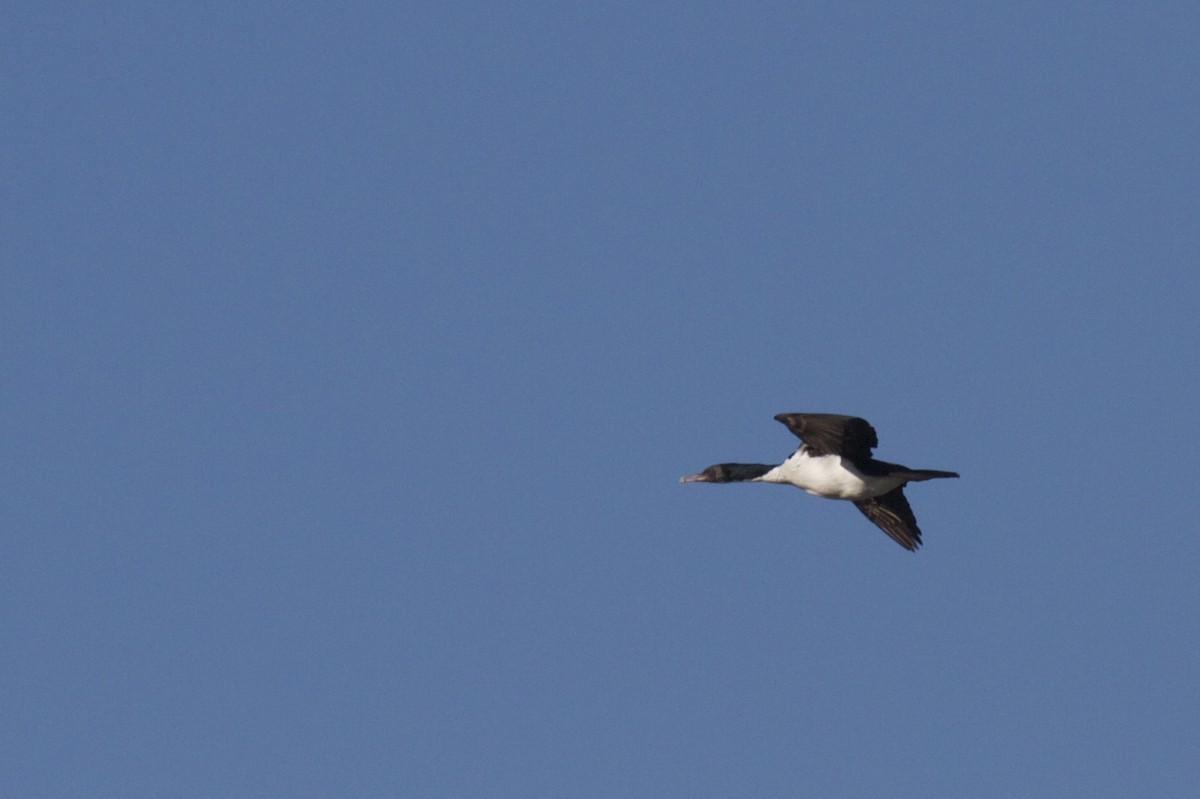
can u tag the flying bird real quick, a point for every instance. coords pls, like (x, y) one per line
(834, 461)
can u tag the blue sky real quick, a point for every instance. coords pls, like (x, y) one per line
(351, 355)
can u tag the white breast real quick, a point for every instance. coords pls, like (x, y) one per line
(829, 476)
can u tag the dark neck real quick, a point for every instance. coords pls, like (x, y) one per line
(739, 472)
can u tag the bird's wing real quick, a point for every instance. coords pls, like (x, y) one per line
(892, 514)
(832, 434)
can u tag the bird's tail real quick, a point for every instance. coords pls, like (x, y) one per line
(916, 475)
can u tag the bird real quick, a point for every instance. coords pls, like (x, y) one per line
(834, 461)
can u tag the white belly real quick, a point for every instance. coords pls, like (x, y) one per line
(829, 476)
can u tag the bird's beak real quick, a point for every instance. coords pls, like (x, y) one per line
(694, 478)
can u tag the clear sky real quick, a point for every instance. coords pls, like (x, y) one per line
(352, 352)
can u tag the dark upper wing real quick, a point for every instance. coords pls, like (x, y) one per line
(832, 434)
(892, 514)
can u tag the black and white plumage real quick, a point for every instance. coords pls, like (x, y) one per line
(834, 461)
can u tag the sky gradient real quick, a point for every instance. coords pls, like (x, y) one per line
(352, 354)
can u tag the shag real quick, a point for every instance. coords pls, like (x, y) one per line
(834, 461)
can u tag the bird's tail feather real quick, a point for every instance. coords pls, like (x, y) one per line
(916, 475)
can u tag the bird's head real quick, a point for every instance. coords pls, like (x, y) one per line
(717, 473)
